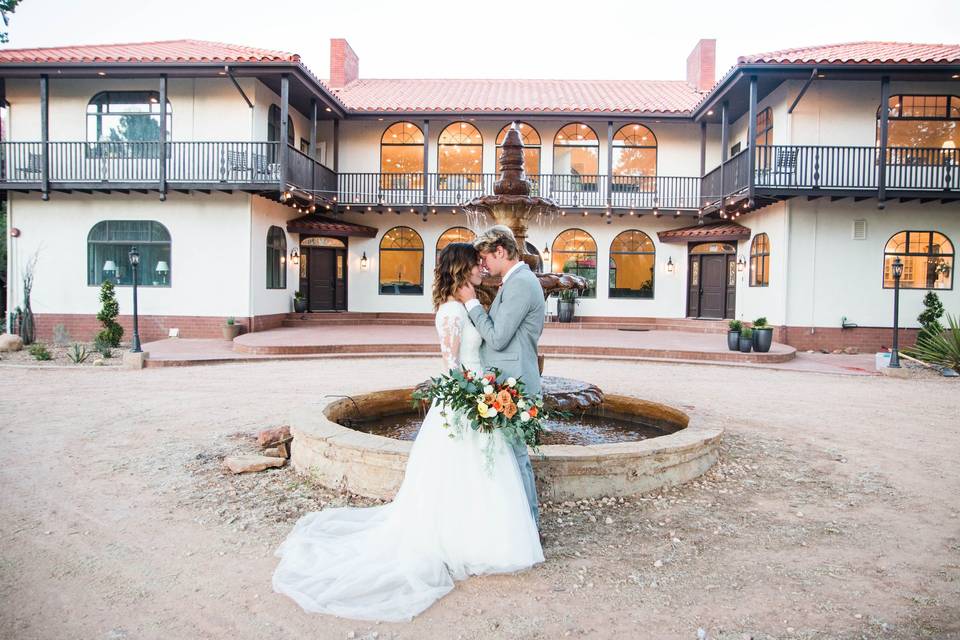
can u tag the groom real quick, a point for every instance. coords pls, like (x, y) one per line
(512, 328)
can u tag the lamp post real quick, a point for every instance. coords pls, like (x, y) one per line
(134, 263)
(897, 268)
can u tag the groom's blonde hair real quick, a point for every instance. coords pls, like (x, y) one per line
(498, 236)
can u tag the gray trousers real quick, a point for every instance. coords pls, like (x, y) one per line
(529, 483)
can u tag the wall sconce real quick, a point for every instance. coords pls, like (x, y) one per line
(741, 264)
(546, 249)
(294, 257)
(364, 263)
(670, 264)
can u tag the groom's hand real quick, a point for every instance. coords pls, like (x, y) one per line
(466, 293)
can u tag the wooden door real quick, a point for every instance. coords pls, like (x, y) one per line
(713, 286)
(321, 278)
(340, 280)
(731, 308)
(693, 287)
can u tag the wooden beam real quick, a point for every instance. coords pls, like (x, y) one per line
(803, 90)
(314, 108)
(926, 200)
(336, 146)
(45, 136)
(163, 137)
(703, 148)
(835, 198)
(884, 137)
(608, 195)
(752, 140)
(811, 198)
(724, 141)
(284, 115)
(860, 198)
(426, 161)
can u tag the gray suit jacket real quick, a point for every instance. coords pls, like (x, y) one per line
(512, 328)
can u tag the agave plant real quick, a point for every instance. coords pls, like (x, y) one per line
(942, 349)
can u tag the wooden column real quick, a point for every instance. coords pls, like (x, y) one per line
(336, 146)
(284, 115)
(703, 148)
(426, 162)
(312, 148)
(724, 142)
(163, 137)
(752, 139)
(609, 161)
(884, 139)
(45, 136)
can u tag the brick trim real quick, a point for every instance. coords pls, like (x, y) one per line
(84, 327)
(866, 339)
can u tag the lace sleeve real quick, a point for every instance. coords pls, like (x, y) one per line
(450, 328)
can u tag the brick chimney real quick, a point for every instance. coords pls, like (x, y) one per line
(702, 65)
(344, 63)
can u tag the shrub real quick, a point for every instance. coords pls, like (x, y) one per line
(746, 333)
(112, 331)
(760, 323)
(78, 353)
(735, 325)
(929, 318)
(39, 351)
(231, 321)
(942, 349)
(102, 347)
(61, 337)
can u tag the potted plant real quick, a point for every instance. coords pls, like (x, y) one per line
(299, 302)
(733, 335)
(762, 335)
(746, 340)
(231, 330)
(565, 304)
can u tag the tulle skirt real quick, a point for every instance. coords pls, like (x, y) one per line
(461, 510)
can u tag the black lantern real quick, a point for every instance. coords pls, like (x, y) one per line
(134, 266)
(897, 268)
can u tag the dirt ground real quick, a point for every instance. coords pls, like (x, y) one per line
(833, 513)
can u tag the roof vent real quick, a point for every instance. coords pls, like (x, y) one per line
(859, 229)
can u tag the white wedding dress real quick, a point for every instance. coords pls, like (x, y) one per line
(453, 516)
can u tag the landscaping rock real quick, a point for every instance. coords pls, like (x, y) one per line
(282, 450)
(251, 463)
(9, 342)
(851, 351)
(271, 437)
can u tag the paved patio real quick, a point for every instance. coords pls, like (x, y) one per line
(394, 341)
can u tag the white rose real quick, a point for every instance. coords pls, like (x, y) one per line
(491, 412)
(511, 382)
(524, 417)
(521, 404)
(477, 375)
(487, 389)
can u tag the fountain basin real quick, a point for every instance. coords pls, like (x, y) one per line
(373, 466)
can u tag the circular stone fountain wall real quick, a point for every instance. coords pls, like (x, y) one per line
(373, 466)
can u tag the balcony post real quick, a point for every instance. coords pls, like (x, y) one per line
(724, 141)
(312, 149)
(752, 139)
(284, 115)
(45, 136)
(884, 121)
(703, 148)
(163, 138)
(426, 161)
(336, 146)
(609, 162)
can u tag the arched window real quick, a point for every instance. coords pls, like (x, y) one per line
(632, 260)
(460, 152)
(276, 258)
(921, 122)
(634, 151)
(760, 261)
(927, 258)
(764, 138)
(576, 151)
(531, 147)
(273, 126)
(401, 262)
(131, 117)
(455, 234)
(575, 251)
(401, 157)
(108, 253)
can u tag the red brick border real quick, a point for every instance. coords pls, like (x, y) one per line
(866, 339)
(83, 327)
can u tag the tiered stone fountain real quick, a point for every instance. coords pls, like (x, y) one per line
(615, 445)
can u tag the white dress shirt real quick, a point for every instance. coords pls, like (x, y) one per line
(474, 302)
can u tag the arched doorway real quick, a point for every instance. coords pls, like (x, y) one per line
(712, 280)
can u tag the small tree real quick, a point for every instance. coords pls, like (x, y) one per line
(112, 331)
(27, 328)
(929, 318)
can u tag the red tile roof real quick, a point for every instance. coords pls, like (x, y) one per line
(546, 96)
(164, 52)
(313, 223)
(720, 231)
(860, 53)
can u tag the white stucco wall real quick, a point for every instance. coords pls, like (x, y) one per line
(265, 214)
(209, 252)
(769, 301)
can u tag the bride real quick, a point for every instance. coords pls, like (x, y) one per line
(454, 515)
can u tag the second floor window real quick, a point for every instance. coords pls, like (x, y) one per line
(128, 120)
(922, 122)
(634, 152)
(460, 152)
(401, 157)
(576, 151)
(273, 126)
(531, 147)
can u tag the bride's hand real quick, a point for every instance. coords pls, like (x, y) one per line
(466, 292)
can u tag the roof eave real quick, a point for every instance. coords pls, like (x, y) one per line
(363, 114)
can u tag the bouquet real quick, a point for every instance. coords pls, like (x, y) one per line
(488, 402)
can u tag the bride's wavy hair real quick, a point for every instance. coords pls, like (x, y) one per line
(453, 270)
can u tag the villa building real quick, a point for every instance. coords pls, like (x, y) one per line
(785, 189)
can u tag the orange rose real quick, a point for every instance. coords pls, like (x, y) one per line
(504, 397)
(490, 377)
(510, 410)
(497, 406)
(533, 412)
(489, 398)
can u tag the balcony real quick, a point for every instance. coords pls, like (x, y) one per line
(227, 166)
(568, 191)
(784, 171)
